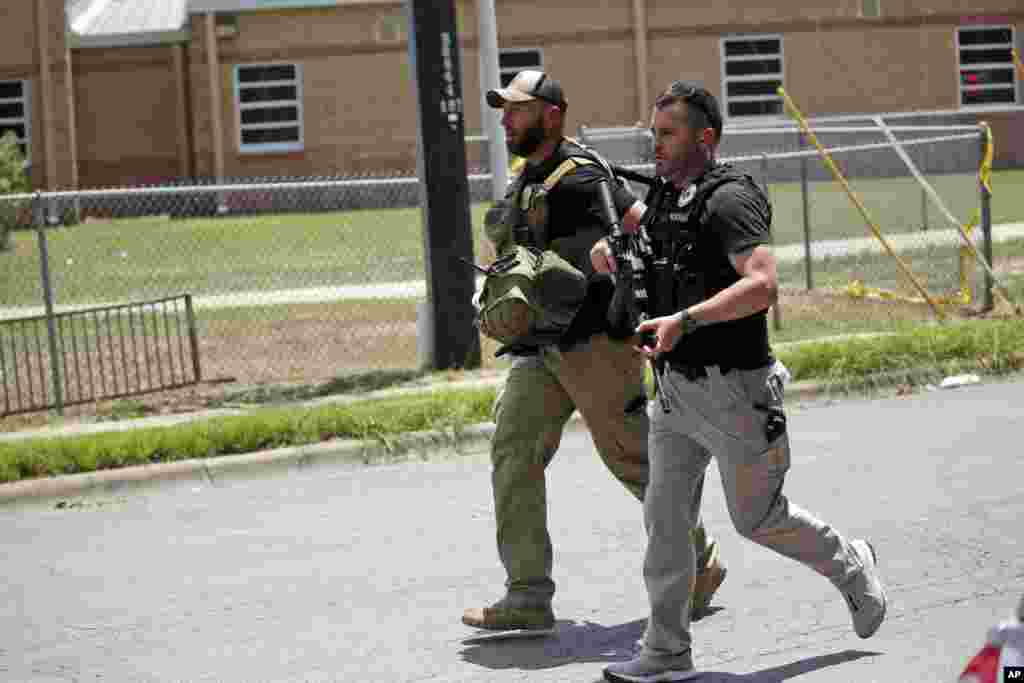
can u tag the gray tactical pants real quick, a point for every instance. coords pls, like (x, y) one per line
(716, 416)
(598, 377)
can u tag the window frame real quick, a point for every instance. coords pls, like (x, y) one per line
(724, 60)
(512, 71)
(1014, 87)
(269, 147)
(26, 114)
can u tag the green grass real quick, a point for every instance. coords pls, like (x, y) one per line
(266, 428)
(992, 346)
(893, 203)
(150, 257)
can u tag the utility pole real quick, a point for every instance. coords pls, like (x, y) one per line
(444, 186)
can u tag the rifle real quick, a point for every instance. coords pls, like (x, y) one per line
(629, 304)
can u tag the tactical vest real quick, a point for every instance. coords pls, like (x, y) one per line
(679, 274)
(528, 216)
(531, 294)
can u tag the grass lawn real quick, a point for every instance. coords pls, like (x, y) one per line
(142, 258)
(989, 346)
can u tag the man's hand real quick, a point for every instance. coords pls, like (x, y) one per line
(601, 257)
(666, 330)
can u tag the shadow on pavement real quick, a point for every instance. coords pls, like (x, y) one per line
(573, 642)
(589, 642)
(787, 671)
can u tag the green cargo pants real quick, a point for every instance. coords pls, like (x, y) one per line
(598, 377)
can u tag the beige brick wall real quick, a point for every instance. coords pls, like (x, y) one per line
(135, 141)
(848, 70)
(18, 45)
(691, 58)
(60, 125)
(359, 104)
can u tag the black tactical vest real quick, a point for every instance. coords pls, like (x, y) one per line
(689, 266)
(528, 214)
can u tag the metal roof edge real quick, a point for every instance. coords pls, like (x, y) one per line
(148, 39)
(203, 6)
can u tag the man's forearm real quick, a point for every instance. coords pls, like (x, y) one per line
(746, 297)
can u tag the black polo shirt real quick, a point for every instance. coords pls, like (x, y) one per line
(736, 217)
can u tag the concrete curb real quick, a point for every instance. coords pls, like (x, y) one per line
(410, 447)
(416, 446)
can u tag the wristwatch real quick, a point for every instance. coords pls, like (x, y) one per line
(688, 322)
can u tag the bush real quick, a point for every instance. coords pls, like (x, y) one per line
(12, 181)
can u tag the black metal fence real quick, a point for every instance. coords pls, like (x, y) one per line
(94, 354)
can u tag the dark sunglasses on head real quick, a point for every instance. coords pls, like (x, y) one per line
(680, 90)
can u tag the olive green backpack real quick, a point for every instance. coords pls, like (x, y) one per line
(529, 297)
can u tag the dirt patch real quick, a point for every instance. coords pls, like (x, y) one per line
(303, 351)
(257, 361)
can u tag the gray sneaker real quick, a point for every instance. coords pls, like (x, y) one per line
(650, 668)
(864, 593)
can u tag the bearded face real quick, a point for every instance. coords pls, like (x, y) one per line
(524, 128)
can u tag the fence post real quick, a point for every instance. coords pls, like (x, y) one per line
(777, 307)
(986, 226)
(924, 211)
(51, 332)
(807, 214)
(193, 337)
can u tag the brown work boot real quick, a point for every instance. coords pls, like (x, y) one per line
(501, 617)
(707, 582)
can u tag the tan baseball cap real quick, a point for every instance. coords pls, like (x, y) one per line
(528, 85)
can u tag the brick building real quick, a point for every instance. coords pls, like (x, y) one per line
(102, 93)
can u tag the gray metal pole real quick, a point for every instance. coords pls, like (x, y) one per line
(193, 338)
(777, 308)
(986, 232)
(51, 331)
(924, 211)
(490, 78)
(807, 215)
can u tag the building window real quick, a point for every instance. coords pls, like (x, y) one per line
(751, 75)
(987, 73)
(269, 98)
(512, 61)
(14, 116)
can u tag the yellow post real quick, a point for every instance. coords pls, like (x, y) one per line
(1016, 60)
(830, 164)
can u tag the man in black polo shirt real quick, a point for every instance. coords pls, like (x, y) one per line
(710, 226)
(556, 204)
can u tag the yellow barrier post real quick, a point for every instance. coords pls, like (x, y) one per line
(830, 164)
(1016, 60)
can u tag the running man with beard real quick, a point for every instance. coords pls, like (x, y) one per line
(555, 203)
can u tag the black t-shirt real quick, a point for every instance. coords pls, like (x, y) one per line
(736, 217)
(575, 220)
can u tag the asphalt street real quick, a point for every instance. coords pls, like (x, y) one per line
(361, 574)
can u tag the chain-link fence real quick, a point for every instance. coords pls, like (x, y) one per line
(303, 280)
(916, 182)
(292, 281)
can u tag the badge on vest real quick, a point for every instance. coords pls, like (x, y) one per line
(686, 196)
